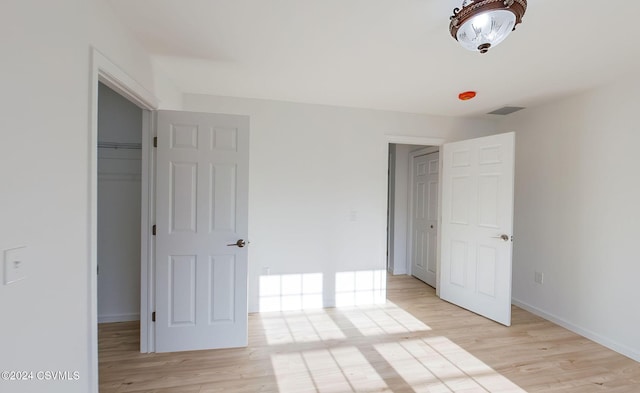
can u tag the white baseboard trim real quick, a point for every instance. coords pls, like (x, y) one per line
(602, 340)
(118, 318)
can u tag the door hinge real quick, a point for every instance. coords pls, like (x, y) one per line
(153, 316)
(155, 141)
(153, 230)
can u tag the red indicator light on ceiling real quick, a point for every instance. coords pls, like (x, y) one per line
(467, 95)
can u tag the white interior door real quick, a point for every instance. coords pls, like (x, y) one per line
(201, 208)
(425, 217)
(477, 225)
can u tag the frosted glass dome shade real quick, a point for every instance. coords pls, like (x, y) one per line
(486, 30)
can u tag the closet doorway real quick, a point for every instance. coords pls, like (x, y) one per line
(120, 125)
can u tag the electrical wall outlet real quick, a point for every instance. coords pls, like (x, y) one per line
(14, 265)
(538, 278)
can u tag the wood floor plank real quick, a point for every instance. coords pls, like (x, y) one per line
(414, 343)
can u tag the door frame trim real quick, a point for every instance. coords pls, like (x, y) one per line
(105, 71)
(412, 156)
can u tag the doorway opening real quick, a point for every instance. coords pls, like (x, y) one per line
(413, 211)
(119, 207)
(109, 74)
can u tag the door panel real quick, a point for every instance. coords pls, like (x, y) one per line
(223, 274)
(202, 206)
(182, 290)
(477, 224)
(425, 217)
(183, 181)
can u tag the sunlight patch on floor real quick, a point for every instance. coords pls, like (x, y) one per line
(336, 370)
(300, 327)
(419, 363)
(437, 364)
(397, 354)
(471, 366)
(320, 325)
(360, 346)
(381, 320)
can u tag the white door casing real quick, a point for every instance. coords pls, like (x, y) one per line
(425, 170)
(202, 207)
(477, 225)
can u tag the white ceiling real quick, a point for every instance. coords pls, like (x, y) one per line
(382, 54)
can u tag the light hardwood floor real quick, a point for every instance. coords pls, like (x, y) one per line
(414, 343)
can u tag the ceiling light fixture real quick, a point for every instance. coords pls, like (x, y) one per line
(483, 24)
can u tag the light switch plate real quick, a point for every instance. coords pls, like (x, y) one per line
(15, 268)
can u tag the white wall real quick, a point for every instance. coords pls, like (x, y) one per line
(577, 213)
(318, 183)
(119, 120)
(119, 187)
(44, 172)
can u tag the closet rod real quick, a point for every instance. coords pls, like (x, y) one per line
(115, 145)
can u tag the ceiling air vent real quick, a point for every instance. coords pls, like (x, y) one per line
(507, 110)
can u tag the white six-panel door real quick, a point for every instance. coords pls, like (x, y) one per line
(424, 236)
(477, 225)
(201, 207)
